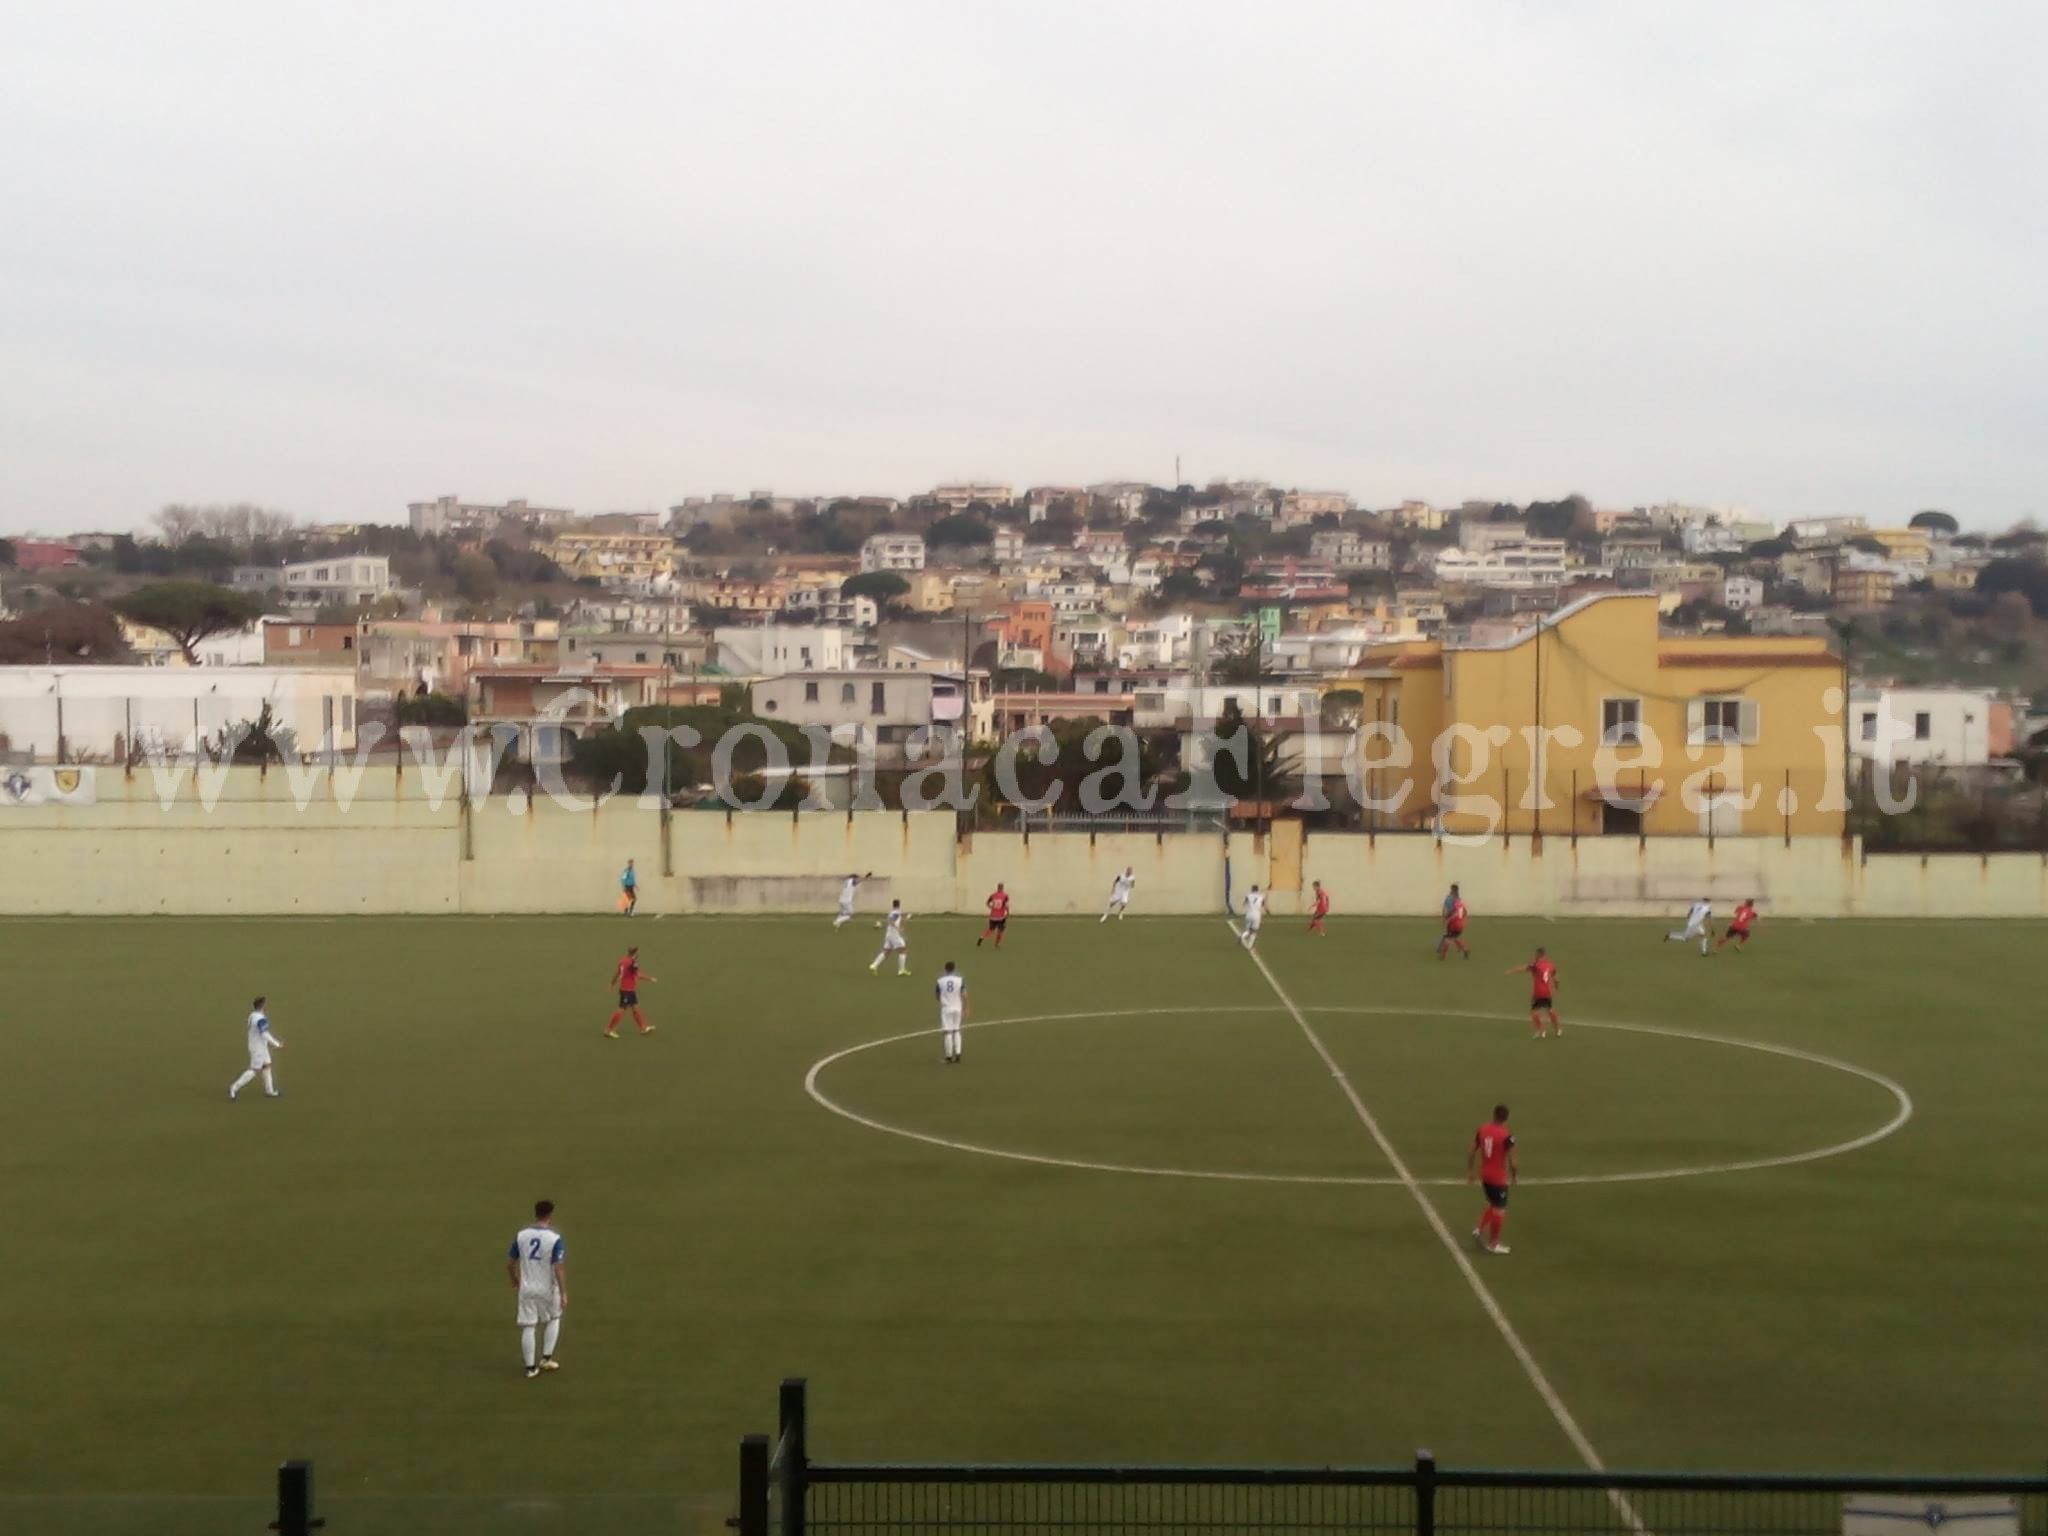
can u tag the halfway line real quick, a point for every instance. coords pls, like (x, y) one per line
(1463, 1260)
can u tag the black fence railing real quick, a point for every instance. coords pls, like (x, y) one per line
(784, 1493)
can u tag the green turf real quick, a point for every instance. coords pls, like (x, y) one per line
(197, 1289)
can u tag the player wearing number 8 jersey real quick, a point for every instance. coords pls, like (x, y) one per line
(538, 1266)
(951, 991)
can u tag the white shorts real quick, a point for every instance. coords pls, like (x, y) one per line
(891, 939)
(1251, 924)
(951, 1018)
(1119, 901)
(535, 1309)
(846, 909)
(259, 1059)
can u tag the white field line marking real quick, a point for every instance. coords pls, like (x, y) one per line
(1459, 1256)
(1903, 1113)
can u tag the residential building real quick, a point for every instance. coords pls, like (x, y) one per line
(1023, 711)
(1298, 509)
(1814, 532)
(765, 596)
(1346, 549)
(412, 656)
(1906, 547)
(618, 562)
(1860, 589)
(880, 710)
(1512, 563)
(122, 714)
(294, 643)
(47, 555)
(764, 650)
(680, 652)
(1478, 535)
(961, 495)
(1418, 515)
(899, 552)
(1739, 594)
(1726, 538)
(1127, 497)
(930, 592)
(1006, 544)
(812, 603)
(349, 580)
(1948, 727)
(450, 514)
(1162, 642)
(1668, 734)
(550, 708)
(1183, 703)
(1623, 552)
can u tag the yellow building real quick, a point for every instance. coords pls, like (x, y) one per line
(1909, 546)
(1596, 723)
(614, 556)
(930, 591)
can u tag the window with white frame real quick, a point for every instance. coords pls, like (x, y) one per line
(1621, 722)
(1724, 719)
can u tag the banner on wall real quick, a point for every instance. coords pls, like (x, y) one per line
(46, 786)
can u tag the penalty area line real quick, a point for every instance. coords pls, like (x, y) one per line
(1509, 1335)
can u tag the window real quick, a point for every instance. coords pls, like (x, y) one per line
(291, 636)
(1923, 726)
(846, 693)
(810, 693)
(640, 656)
(1621, 722)
(1732, 721)
(348, 713)
(876, 703)
(348, 642)
(1869, 725)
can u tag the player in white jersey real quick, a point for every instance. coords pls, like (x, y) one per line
(951, 991)
(260, 1042)
(1120, 894)
(1254, 914)
(539, 1266)
(1697, 925)
(846, 895)
(893, 941)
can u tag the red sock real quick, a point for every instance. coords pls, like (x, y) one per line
(615, 1019)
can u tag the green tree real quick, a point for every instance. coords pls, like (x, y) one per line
(1933, 521)
(959, 528)
(63, 632)
(1255, 772)
(191, 611)
(7, 551)
(882, 586)
(476, 577)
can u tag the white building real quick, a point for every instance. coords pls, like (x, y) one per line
(1346, 549)
(813, 603)
(1167, 641)
(1511, 565)
(881, 710)
(348, 579)
(115, 714)
(1298, 509)
(451, 514)
(1006, 544)
(1945, 726)
(900, 552)
(1739, 594)
(1182, 702)
(763, 650)
(963, 494)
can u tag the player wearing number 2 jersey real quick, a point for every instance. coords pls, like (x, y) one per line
(538, 1264)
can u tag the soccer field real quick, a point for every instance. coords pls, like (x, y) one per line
(964, 1260)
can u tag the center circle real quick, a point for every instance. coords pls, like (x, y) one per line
(1902, 1101)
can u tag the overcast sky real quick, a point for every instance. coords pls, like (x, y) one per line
(336, 258)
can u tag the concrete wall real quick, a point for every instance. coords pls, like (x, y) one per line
(305, 841)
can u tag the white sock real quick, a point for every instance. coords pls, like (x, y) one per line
(548, 1337)
(902, 964)
(876, 963)
(269, 1083)
(839, 919)
(953, 1042)
(526, 1344)
(243, 1081)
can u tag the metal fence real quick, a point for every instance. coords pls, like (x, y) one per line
(784, 1493)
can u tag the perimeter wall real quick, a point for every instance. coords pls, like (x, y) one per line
(246, 841)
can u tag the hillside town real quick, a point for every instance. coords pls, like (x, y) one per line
(947, 620)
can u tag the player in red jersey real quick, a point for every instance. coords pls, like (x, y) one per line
(1542, 991)
(1321, 909)
(1739, 926)
(998, 915)
(627, 978)
(1491, 1163)
(1454, 926)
